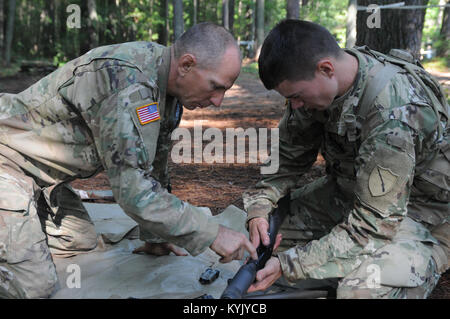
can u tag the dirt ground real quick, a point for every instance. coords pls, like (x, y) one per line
(246, 104)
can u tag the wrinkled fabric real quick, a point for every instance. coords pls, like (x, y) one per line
(114, 272)
(26, 266)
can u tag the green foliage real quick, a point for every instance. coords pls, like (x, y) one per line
(41, 30)
(59, 59)
(331, 14)
(440, 64)
(431, 27)
(250, 68)
(10, 70)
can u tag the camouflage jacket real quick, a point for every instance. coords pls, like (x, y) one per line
(85, 117)
(397, 140)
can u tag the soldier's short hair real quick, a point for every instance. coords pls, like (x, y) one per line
(291, 51)
(206, 41)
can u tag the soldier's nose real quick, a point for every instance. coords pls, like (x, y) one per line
(217, 100)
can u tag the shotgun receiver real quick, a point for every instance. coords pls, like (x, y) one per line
(247, 273)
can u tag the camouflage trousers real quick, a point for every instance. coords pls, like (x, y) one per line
(317, 207)
(30, 233)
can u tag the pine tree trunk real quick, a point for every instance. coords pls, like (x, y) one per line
(350, 38)
(400, 29)
(163, 29)
(259, 27)
(178, 23)
(150, 29)
(2, 31)
(194, 11)
(444, 36)
(56, 23)
(10, 30)
(231, 15)
(251, 18)
(92, 24)
(225, 15)
(292, 9)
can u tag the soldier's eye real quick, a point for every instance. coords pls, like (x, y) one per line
(217, 86)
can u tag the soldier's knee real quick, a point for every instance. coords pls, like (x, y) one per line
(87, 240)
(350, 289)
(84, 241)
(73, 222)
(364, 287)
(69, 230)
(31, 278)
(71, 240)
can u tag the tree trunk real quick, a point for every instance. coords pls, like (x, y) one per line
(441, 12)
(194, 11)
(231, 15)
(163, 29)
(350, 38)
(150, 27)
(444, 36)
(178, 23)
(251, 27)
(240, 35)
(10, 30)
(400, 29)
(92, 24)
(2, 31)
(259, 27)
(56, 23)
(292, 9)
(45, 31)
(225, 15)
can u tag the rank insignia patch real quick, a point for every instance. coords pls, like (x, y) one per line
(148, 113)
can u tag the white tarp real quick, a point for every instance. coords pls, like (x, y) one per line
(112, 271)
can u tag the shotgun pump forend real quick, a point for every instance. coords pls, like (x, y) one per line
(247, 273)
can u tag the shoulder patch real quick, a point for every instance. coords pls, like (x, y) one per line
(148, 113)
(381, 181)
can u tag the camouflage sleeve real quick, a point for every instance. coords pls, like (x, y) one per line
(384, 174)
(127, 149)
(300, 139)
(111, 91)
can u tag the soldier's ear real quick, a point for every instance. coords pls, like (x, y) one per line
(325, 67)
(186, 63)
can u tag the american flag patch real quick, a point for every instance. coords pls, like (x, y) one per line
(148, 113)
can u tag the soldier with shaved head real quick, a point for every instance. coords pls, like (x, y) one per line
(112, 109)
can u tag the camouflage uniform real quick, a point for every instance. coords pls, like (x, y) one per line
(73, 123)
(379, 219)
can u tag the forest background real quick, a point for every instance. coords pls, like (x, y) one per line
(60, 30)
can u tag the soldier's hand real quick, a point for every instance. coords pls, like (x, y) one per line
(258, 231)
(275, 246)
(267, 276)
(230, 245)
(160, 249)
